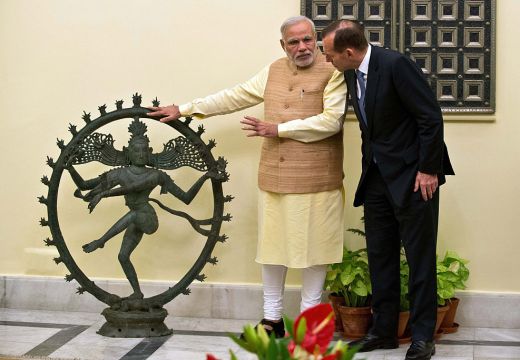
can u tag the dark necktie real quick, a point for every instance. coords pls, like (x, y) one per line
(361, 99)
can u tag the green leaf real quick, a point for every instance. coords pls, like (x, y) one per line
(360, 288)
(331, 275)
(454, 267)
(242, 343)
(263, 339)
(441, 268)
(347, 267)
(347, 278)
(251, 337)
(357, 232)
(300, 331)
(351, 351)
(289, 326)
(232, 354)
(272, 349)
(284, 352)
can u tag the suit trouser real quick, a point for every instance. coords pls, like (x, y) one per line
(386, 226)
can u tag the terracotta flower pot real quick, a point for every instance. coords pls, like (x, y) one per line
(336, 301)
(441, 312)
(406, 337)
(356, 321)
(404, 316)
(448, 325)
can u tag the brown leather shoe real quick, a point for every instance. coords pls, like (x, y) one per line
(373, 342)
(420, 350)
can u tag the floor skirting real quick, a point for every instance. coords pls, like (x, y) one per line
(224, 301)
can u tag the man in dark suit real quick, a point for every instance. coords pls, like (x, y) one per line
(404, 160)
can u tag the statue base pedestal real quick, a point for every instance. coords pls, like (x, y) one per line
(132, 324)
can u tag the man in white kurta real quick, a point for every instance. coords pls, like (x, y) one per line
(301, 201)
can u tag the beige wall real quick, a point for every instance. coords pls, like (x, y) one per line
(60, 57)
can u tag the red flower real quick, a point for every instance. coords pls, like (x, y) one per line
(334, 356)
(210, 357)
(291, 346)
(320, 328)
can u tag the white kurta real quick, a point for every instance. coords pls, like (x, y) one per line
(295, 230)
(300, 230)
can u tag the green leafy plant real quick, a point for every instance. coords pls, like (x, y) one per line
(351, 278)
(404, 300)
(308, 338)
(452, 274)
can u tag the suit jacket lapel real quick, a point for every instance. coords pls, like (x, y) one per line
(350, 79)
(372, 86)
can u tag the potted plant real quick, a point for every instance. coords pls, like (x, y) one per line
(452, 274)
(404, 301)
(445, 291)
(334, 285)
(351, 280)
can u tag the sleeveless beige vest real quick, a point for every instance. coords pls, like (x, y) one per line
(289, 166)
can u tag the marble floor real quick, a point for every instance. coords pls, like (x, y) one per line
(72, 335)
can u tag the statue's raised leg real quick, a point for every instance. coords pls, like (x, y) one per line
(119, 226)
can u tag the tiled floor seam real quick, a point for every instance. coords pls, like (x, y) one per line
(145, 348)
(69, 328)
(479, 342)
(56, 341)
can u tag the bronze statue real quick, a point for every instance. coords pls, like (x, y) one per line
(136, 172)
(135, 182)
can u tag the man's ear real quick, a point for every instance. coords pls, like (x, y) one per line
(150, 149)
(282, 44)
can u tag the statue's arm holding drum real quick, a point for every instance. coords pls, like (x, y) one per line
(168, 186)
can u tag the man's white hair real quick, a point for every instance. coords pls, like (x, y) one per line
(295, 20)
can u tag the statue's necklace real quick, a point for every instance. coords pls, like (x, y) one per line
(135, 170)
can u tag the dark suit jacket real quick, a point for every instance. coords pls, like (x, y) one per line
(405, 126)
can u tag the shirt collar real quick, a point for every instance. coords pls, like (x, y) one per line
(366, 60)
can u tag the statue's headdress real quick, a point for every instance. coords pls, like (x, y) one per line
(137, 130)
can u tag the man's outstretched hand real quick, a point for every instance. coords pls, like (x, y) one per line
(167, 113)
(257, 127)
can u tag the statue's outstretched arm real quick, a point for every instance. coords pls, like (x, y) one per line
(80, 182)
(148, 182)
(109, 187)
(185, 196)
